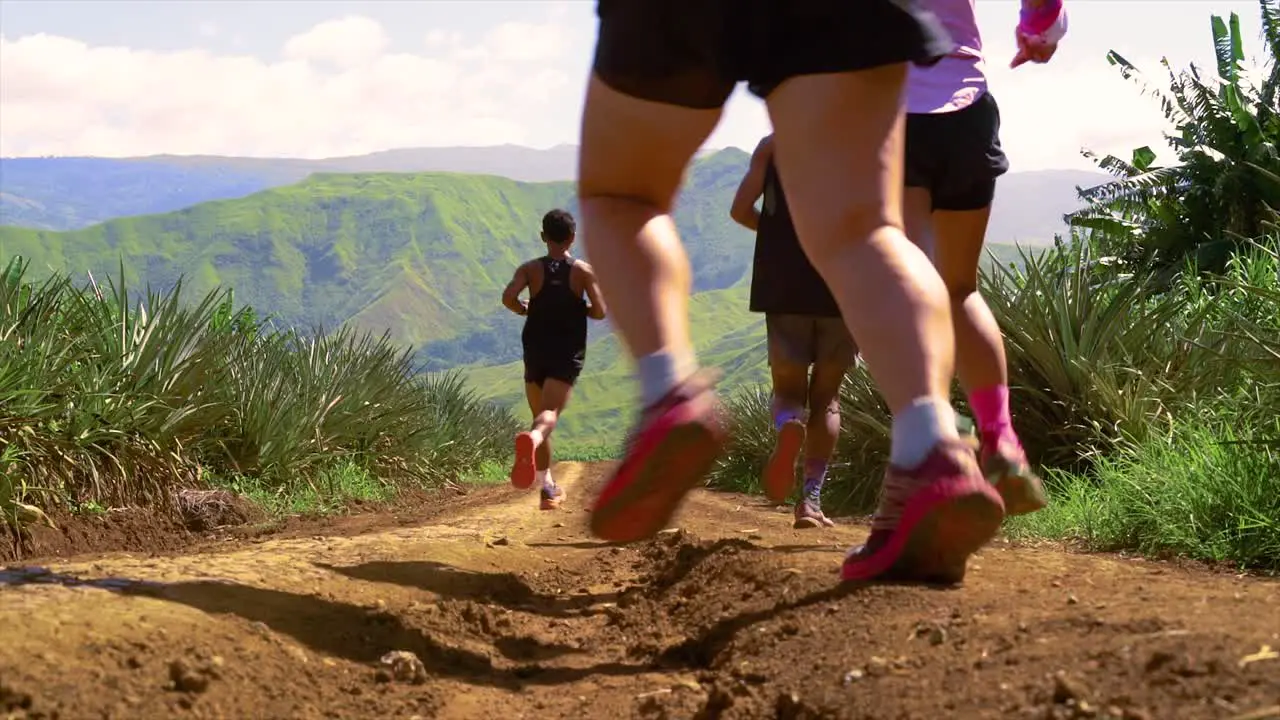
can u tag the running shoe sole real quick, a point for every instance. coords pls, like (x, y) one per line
(670, 457)
(1022, 492)
(942, 525)
(780, 471)
(524, 471)
(807, 523)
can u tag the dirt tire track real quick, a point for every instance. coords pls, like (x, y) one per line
(518, 613)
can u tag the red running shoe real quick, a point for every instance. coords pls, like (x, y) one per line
(523, 471)
(949, 511)
(780, 471)
(672, 449)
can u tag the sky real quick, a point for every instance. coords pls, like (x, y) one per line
(307, 78)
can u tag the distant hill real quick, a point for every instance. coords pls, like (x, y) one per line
(424, 255)
(75, 192)
(1029, 206)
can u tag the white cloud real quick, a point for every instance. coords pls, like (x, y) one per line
(347, 43)
(342, 88)
(337, 89)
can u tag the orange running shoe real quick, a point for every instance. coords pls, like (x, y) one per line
(552, 499)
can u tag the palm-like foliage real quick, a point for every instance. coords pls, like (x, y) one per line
(1225, 186)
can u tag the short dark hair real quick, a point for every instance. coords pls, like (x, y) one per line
(558, 226)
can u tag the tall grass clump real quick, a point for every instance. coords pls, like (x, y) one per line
(1101, 360)
(117, 398)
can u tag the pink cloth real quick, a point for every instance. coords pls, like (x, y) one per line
(960, 78)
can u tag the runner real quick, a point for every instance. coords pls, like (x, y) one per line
(802, 328)
(562, 295)
(953, 157)
(832, 74)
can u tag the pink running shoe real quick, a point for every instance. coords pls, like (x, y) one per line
(949, 511)
(1005, 465)
(672, 449)
(523, 471)
(809, 516)
(780, 471)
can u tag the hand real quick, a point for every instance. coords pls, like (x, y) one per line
(1039, 33)
(1033, 49)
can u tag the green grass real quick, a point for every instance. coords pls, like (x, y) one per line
(111, 398)
(326, 491)
(1204, 494)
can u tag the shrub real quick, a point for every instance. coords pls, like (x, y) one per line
(116, 399)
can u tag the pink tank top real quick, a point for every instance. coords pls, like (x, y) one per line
(959, 78)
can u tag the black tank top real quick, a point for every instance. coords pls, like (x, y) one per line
(782, 278)
(557, 319)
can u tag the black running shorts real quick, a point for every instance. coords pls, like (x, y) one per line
(565, 367)
(956, 156)
(692, 52)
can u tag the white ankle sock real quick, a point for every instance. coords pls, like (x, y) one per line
(918, 428)
(542, 478)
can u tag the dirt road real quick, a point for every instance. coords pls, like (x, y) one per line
(516, 613)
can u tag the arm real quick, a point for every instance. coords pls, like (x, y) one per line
(752, 187)
(511, 295)
(595, 301)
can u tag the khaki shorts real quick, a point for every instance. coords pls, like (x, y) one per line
(808, 340)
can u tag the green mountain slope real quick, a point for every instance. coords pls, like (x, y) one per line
(422, 255)
(725, 334)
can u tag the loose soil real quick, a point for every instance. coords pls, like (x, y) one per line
(498, 610)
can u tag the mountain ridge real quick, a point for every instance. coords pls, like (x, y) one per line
(63, 193)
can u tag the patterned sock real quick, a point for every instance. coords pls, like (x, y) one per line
(815, 474)
(783, 415)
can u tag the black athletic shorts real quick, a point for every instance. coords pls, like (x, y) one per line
(693, 52)
(540, 367)
(956, 156)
